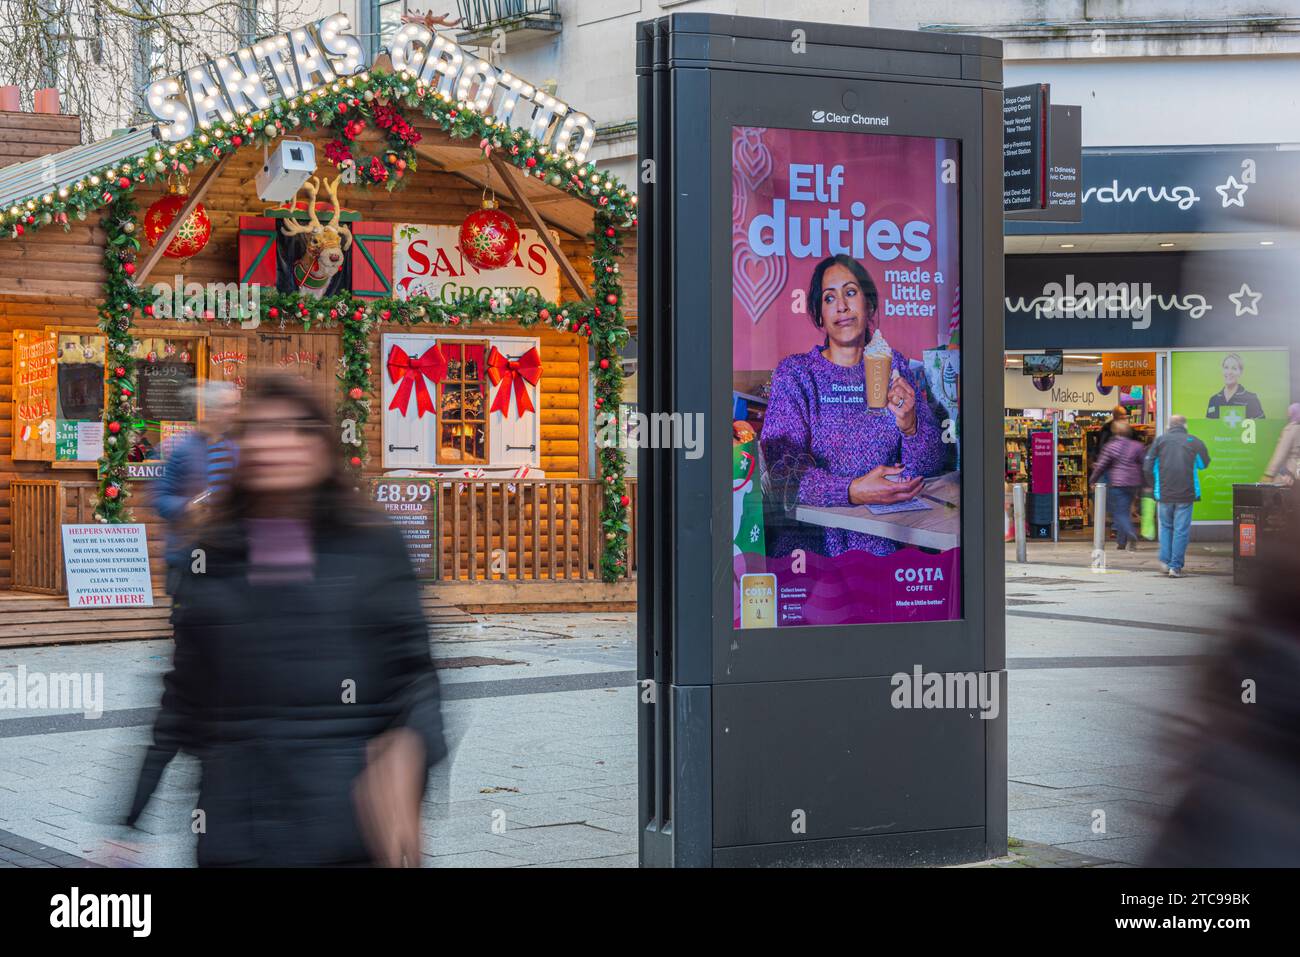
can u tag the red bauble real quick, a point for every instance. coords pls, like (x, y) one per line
(129, 269)
(120, 371)
(488, 237)
(115, 427)
(193, 234)
(273, 312)
(624, 501)
(355, 393)
(356, 461)
(604, 363)
(543, 315)
(111, 491)
(148, 310)
(612, 299)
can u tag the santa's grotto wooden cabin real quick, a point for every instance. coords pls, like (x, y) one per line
(453, 279)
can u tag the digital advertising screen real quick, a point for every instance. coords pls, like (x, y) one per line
(846, 378)
(1235, 401)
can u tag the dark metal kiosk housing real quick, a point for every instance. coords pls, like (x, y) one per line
(780, 745)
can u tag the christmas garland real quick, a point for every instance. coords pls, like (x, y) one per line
(370, 98)
(374, 98)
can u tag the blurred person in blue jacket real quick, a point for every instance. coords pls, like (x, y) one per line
(198, 467)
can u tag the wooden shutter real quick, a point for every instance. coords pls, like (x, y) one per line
(257, 250)
(515, 439)
(372, 260)
(410, 441)
(35, 401)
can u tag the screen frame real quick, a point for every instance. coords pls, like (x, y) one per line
(971, 116)
(1058, 367)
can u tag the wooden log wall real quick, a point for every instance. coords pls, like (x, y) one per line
(53, 278)
(25, 136)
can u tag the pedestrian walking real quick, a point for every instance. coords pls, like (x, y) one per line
(198, 467)
(1284, 466)
(302, 671)
(1121, 465)
(1172, 466)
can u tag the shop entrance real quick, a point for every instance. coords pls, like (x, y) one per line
(1069, 405)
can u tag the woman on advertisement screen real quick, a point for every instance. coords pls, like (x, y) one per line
(1232, 392)
(846, 424)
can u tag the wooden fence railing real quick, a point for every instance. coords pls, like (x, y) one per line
(524, 529)
(39, 507)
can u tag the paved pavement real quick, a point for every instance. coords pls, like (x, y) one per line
(541, 711)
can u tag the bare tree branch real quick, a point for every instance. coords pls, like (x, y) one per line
(101, 53)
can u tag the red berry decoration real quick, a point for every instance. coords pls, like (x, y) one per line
(147, 310)
(343, 107)
(119, 371)
(386, 315)
(356, 461)
(18, 229)
(624, 501)
(355, 393)
(273, 312)
(488, 237)
(236, 141)
(115, 427)
(544, 314)
(610, 232)
(111, 491)
(124, 183)
(612, 299)
(530, 162)
(129, 269)
(604, 363)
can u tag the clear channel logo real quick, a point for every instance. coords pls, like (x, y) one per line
(853, 119)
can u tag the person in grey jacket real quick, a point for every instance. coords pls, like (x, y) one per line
(1172, 466)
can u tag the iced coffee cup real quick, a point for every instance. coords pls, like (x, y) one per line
(877, 361)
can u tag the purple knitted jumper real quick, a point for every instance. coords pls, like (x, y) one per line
(819, 435)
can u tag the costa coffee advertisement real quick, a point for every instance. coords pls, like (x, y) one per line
(846, 321)
(427, 261)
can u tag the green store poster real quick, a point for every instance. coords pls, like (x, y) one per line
(1235, 401)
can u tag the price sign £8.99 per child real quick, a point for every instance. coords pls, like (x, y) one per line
(412, 504)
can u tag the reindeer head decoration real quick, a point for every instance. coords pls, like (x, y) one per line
(326, 245)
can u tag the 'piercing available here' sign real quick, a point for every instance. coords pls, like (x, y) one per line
(315, 55)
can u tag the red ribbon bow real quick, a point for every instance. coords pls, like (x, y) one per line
(412, 373)
(517, 372)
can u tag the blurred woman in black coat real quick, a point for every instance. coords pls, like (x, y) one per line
(302, 677)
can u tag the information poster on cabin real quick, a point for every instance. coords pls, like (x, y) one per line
(34, 400)
(167, 391)
(427, 261)
(412, 504)
(106, 566)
